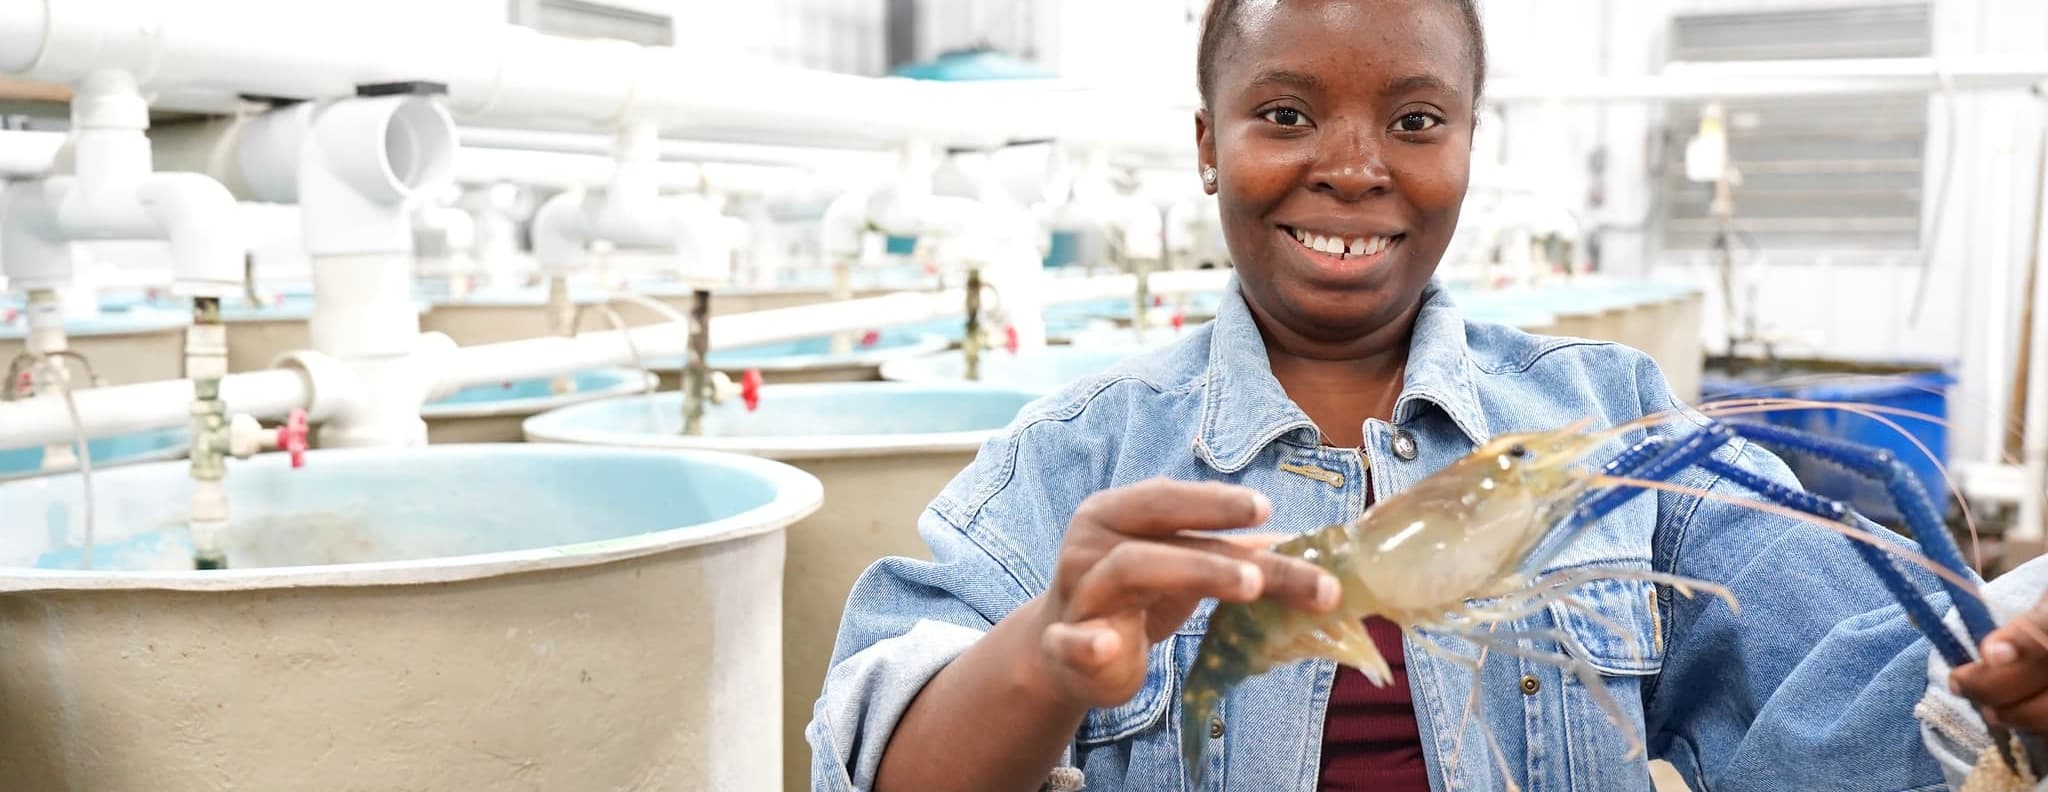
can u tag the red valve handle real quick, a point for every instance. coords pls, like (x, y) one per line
(291, 437)
(1178, 321)
(1010, 339)
(1158, 300)
(750, 389)
(870, 338)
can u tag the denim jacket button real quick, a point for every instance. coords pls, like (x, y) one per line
(1216, 729)
(1404, 445)
(1530, 684)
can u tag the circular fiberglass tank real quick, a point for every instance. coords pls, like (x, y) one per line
(125, 344)
(454, 618)
(493, 413)
(882, 450)
(498, 314)
(107, 452)
(810, 359)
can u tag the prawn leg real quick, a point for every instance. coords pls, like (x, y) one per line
(1507, 644)
(1473, 706)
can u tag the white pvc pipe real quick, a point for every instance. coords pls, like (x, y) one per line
(123, 409)
(204, 54)
(599, 145)
(2034, 501)
(25, 154)
(486, 166)
(1778, 79)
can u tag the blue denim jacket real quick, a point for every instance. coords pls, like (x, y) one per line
(1811, 686)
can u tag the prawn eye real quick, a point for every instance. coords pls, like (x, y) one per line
(1518, 451)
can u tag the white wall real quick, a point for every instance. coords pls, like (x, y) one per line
(1836, 304)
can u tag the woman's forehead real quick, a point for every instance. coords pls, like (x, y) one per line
(1316, 43)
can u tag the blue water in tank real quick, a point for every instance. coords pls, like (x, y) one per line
(888, 342)
(137, 318)
(823, 410)
(362, 506)
(1043, 372)
(160, 444)
(537, 393)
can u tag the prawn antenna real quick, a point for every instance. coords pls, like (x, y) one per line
(1653, 461)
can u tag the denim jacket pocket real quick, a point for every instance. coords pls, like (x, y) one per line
(1615, 626)
(1145, 710)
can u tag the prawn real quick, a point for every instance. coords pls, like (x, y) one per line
(1457, 555)
(1419, 559)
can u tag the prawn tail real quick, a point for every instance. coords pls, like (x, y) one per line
(1232, 650)
(1200, 696)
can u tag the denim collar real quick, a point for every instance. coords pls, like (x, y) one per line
(1244, 409)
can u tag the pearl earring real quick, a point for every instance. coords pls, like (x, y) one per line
(1209, 176)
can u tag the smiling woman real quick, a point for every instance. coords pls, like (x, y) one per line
(1380, 137)
(1076, 565)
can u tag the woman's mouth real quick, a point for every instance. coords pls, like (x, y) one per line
(1340, 251)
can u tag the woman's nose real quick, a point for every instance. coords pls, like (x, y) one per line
(1349, 167)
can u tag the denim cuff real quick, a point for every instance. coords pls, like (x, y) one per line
(866, 695)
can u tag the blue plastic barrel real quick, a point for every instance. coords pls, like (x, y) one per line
(1065, 249)
(1924, 393)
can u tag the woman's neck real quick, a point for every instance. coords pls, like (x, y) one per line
(1340, 387)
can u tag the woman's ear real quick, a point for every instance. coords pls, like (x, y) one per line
(1205, 151)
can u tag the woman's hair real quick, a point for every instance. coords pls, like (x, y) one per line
(1221, 23)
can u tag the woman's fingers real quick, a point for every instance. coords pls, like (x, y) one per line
(1291, 580)
(1164, 507)
(1135, 574)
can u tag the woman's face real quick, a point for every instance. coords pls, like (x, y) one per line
(1341, 132)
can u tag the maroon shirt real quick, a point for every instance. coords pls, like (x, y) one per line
(1371, 740)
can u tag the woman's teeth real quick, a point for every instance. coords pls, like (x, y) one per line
(1338, 246)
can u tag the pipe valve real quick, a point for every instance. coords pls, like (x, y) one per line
(748, 389)
(247, 437)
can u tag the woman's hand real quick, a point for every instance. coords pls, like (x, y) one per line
(1128, 576)
(2009, 681)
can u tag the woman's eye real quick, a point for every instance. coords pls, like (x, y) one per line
(1286, 116)
(1417, 122)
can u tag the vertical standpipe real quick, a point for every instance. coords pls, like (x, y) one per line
(972, 343)
(206, 356)
(697, 370)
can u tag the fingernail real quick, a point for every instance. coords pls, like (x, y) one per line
(1990, 718)
(1326, 592)
(1261, 504)
(1249, 580)
(1954, 686)
(2000, 652)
